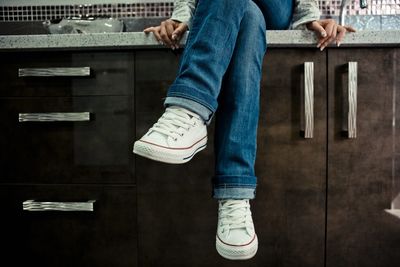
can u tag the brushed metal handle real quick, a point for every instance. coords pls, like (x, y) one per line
(309, 99)
(54, 72)
(32, 205)
(53, 117)
(352, 101)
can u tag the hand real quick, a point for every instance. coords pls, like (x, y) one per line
(169, 32)
(328, 31)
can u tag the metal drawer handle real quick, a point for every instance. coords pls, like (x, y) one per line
(51, 117)
(53, 72)
(352, 101)
(309, 99)
(32, 205)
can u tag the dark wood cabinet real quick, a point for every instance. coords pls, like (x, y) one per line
(95, 150)
(66, 140)
(105, 236)
(321, 201)
(362, 171)
(83, 73)
(289, 209)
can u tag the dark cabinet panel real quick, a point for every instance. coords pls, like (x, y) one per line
(111, 73)
(289, 209)
(94, 151)
(362, 171)
(176, 215)
(105, 236)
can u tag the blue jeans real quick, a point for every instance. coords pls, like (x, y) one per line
(220, 73)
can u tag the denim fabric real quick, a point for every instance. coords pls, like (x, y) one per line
(221, 70)
(205, 113)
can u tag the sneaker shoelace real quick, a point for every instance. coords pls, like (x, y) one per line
(172, 120)
(235, 214)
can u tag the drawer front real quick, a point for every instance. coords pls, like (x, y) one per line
(66, 73)
(66, 140)
(105, 236)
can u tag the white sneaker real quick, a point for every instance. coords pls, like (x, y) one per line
(236, 238)
(175, 138)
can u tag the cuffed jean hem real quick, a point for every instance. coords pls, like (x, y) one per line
(205, 113)
(234, 187)
(181, 90)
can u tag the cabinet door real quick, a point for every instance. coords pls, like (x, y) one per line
(63, 233)
(177, 218)
(58, 73)
(363, 170)
(289, 209)
(88, 141)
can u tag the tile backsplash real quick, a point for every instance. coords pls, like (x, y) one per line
(375, 7)
(116, 10)
(18, 11)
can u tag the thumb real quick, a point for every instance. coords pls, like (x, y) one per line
(179, 31)
(316, 26)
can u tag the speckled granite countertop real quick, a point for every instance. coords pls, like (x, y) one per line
(134, 40)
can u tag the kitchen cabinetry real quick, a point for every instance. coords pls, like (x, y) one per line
(357, 173)
(104, 236)
(321, 196)
(66, 168)
(289, 211)
(320, 200)
(362, 171)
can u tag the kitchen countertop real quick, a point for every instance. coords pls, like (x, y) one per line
(287, 38)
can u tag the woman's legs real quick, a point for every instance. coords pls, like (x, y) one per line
(225, 49)
(237, 115)
(207, 54)
(235, 139)
(179, 134)
(209, 50)
(222, 36)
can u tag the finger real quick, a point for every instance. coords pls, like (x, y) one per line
(156, 33)
(329, 29)
(350, 29)
(179, 31)
(331, 38)
(340, 36)
(321, 41)
(164, 35)
(317, 27)
(170, 29)
(148, 30)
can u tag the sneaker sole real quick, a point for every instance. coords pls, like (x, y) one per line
(232, 252)
(167, 155)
